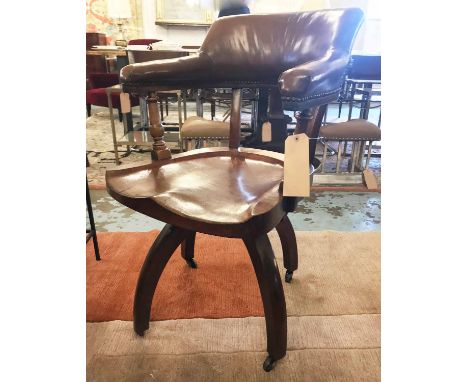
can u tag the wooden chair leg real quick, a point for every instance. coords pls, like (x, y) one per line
(120, 115)
(167, 107)
(187, 249)
(92, 230)
(271, 289)
(88, 109)
(158, 256)
(289, 244)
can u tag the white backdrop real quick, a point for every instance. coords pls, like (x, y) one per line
(367, 40)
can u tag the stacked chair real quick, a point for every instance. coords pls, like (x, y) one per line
(359, 90)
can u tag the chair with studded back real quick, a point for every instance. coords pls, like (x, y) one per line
(235, 192)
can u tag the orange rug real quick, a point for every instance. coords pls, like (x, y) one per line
(223, 285)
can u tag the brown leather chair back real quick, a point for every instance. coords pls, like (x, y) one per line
(304, 54)
(263, 46)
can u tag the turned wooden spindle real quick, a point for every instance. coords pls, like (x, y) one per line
(235, 123)
(160, 150)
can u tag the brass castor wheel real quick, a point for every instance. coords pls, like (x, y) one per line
(288, 276)
(191, 263)
(269, 364)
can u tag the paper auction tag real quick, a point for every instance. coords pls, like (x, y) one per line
(370, 180)
(266, 132)
(124, 103)
(296, 166)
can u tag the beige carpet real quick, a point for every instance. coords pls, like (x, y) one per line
(324, 348)
(333, 327)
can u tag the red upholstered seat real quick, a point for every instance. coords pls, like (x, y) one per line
(143, 41)
(98, 82)
(96, 95)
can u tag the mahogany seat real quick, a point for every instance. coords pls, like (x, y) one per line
(247, 185)
(237, 192)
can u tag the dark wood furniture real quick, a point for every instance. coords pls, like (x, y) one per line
(91, 232)
(235, 192)
(359, 89)
(95, 64)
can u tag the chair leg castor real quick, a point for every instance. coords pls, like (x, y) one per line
(288, 276)
(268, 364)
(191, 263)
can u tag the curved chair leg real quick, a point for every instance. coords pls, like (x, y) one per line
(187, 248)
(158, 256)
(289, 245)
(271, 289)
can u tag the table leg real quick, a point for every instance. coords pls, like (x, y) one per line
(184, 98)
(114, 137)
(143, 114)
(179, 111)
(199, 103)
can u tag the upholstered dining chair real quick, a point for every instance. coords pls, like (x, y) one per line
(232, 191)
(98, 82)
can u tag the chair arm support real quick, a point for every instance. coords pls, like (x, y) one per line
(176, 73)
(313, 83)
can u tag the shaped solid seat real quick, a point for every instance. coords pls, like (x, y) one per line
(216, 185)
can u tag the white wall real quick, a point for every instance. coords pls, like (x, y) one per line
(368, 38)
(177, 34)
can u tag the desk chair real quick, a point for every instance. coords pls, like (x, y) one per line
(235, 192)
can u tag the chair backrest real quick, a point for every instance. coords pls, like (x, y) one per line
(137, 56)
(270, 44)
(304, 54)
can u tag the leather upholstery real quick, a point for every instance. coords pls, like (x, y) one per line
(96, 94)
(198, 127)
(305, 54)
(352, 130)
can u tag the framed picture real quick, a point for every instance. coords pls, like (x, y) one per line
(185, 12)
